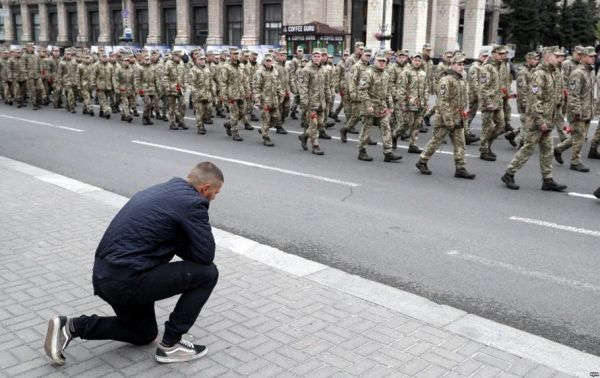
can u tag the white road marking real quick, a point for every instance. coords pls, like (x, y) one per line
(43, 123)
(557, 226)
(249, 164)
(591, 196)
(526, 272)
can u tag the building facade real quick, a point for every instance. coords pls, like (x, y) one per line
(446, 24)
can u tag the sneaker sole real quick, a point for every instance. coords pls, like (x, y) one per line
(168, 360)
(51, 344)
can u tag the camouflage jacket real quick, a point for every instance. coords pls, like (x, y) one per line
(250, 70)
(524, 87)
(328, 75)
(357, 72)
(267, 87)
(201, 84)
(427, 66)
(396, 72)
(505, 76)
(233, 83)
(67, 73)
(375, 90)
(473, 80)
(349, 69)
(543, 102)
(339, 78)
(4, 74)
(123, 81)
(311, 87)
(102, 76)
(414, 94)
(17, 69)
(146, 79)
(580, 102)
(84, 76)
(53, 68)
(490, 83)
(172, 80)
(451, 100)
(32, 65)
(440, 71)
(567, 67)
(284, 78)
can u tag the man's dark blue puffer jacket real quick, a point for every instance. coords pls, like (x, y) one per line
(157, 223)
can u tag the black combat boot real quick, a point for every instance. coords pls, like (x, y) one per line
(463, 173)
(352, 131)
(362, 155)
(414, 149)
(281, 130)
(135, 113)
(303, 139)
(594, 154)
(267, 141)
(510, 137)
(394, 142)
(237, 137)
(173, 126)
(201, 130)
(146, 121)
(597, 193)
(390, 157)
(248, 126)
(317, 151)
(344, 134)
(550, 185)
(293, 115)
(405, 136)
(371, 142)
(253, 118)
(227, 127)
(324, 135)
(329, 124)
(335, 117)
(101, 115)
(182, 125)
(509, 181)
(422, 167)
(427, 121)
(470, 138)
(487, 156)
(579, 168)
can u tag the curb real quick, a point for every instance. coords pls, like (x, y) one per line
(511, 340)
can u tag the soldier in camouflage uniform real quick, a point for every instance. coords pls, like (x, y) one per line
(561, 87)
(102, 81)
(203, 90)
(490, 102)
(505, 88)
(34, 84)
(6, 78)
(451, 118)
(45, 75)
(580, 109)
(251, 68)
(440, 71)
(427, 66)
(595, 145)
(414, 101)
(542, 108)
(84, 81)
(524, 91)
(357, 71)
(147, 83)
(267, 96)
(19, 77)
(473, 77)
(233, 91)
(375, 93)
(53, 81)
(340, 86)
(67, 75)
(295, 65)
(311, 87)
(329, 87)
(397, 71)
(351, 99)
(285, 82)
(123, 84)
(173, 85)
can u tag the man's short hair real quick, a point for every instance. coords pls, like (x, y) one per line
(204, 173)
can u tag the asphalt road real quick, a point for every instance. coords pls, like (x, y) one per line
(526, 258)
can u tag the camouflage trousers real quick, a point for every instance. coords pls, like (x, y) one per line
(56, 95)
(596, 138)
(87, 98)
(386, 132)
(492, 126)
(399, 120)
(507, 111)
(235, 113)
(201, 108)
(473, 106)
(35, 91)
(19, 90)
(412, 123)
(354, 116)
(126, 100)
(150, 100)
(558, 124)
(295, 103)
(525, 126)
(284, 110)
(457, 137)
(7, 91)
(316, 121)
(103, 100)
(70, 97)
(579, 130)
(270, 116)
(174, 106)
(544, 141)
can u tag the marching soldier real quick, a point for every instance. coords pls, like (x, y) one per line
(491, 102)
(233, 91)
(286, 91)
(524, 91)
(19, 77)
(102, 81)
(147, 83)
(580, 109)
(328, 74)
(31, 61)
(203, 91)
(251, 68)
(67, 75)
(397, 71)
(357, 71)
(473, 77)
(414, 101)
(172, 82)
(375, 93)
(123, 84)
(311, 87)
(440, 71)
(359, 50)
(84, 80)
(542, 108)
(505, 88)
(53, 80)
(451, 118)
(295, 65)
(341, 87)
(427, 66)
(6, 78)
(267, 93)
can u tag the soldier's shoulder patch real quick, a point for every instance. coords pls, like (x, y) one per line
(362, 81)
(520, 82)
(443, 89)
(483, 78)
(535, 89)
(573, 85)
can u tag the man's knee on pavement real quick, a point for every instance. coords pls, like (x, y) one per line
(145, 333)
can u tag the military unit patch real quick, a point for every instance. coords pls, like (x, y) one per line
(443, 89)
(573, 85)
(483, 79)
(534, 89)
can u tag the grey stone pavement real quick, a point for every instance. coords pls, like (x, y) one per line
(259, 322)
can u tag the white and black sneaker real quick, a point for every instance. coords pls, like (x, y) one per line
(182, 351)
(58, 338)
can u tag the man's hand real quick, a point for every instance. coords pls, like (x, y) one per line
(543, 127)
(370, 109)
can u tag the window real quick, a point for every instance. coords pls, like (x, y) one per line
(170, 26)
(53, 30)
(116, 26)
(35, 26)
(18, 27)
(141, 33)
(2, 29)
(94, 27)
(234, 25)
(73, 26)
(273, 15)
(199, 25)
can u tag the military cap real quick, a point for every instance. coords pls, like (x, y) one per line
(234, 50)
(449, 52)
(484, 51)
(282, 51)
(531, 55)
(177, 52)
(380, 56)
(549, 50)
(300, 49)
(359, 45)
(316, 51)
(30, 44)
(55, 48)
(209, 53)
(268, 56)
(305, 59)
(458, 58)
(417, 55)
(368, 51)
(561, 51)
(427, 46)
(401, 52)
(589, 51)
(578, 49)
(201, 55)
(499, 49)
(253, 53)
(245, 51)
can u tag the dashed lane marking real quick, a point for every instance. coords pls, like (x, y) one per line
(42, 123)
(556, 226)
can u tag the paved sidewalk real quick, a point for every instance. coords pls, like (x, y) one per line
(260, 321)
